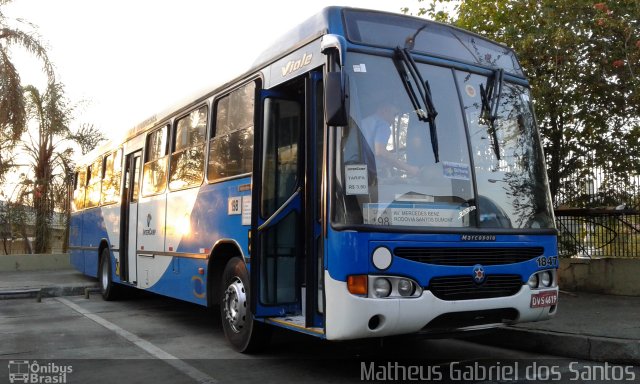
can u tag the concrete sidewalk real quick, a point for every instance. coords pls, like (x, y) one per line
(586, 326)
(65, 282)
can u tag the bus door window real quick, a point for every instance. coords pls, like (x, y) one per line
(319, 157)
(134, 180)
(281, 241)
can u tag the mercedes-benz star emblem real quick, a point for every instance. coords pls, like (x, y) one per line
(478, 274)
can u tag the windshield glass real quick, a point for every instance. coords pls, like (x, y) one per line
(387, 173)
(512, 188)
(388, 30)
(385, 170)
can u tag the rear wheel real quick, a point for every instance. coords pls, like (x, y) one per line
(243, 332)
(107, 286)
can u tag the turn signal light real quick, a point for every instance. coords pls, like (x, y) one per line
(357, 284)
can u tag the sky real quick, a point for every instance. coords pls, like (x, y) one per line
(122, 61)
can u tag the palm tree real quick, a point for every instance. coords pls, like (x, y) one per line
(51, 112)
(12, 108)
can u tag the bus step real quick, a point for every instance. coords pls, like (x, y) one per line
(296, 323)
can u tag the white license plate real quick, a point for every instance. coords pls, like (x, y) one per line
(544, 299)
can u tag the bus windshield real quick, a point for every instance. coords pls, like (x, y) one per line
(393, 170)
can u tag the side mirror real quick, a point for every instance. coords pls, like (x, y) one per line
(336, 111)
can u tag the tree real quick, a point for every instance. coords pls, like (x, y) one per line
(88, 137)
(582, 59)
(12, 109)
(50, 111)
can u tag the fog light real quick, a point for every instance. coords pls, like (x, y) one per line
(533, 281)
(381, 287)
(405, 287)
(545, 279)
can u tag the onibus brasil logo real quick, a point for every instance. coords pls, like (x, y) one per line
(24, 371)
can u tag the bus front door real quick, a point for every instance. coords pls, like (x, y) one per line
(278, 224)
(285, 237)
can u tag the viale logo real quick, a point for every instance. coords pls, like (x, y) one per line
(295, 65)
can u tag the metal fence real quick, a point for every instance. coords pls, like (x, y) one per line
(598, 232)
(599, 187)
(598, 212)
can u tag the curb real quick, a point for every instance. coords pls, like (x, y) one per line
(586, 347)
(55, 291)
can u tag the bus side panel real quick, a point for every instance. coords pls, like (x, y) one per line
(151, 224)
(93, 232)
(111, 217)
(222, 211)
(213, 216)
(76, 256)
(181, 280)
(180, 206)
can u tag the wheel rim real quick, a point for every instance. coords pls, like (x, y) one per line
(105, 274)
(235, 305)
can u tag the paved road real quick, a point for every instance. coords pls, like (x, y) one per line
(150, 339)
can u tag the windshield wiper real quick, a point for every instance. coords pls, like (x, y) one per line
(490, 104)
(408, 71)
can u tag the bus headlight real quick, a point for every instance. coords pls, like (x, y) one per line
(533, 281)
(405, 287)
(381, 287)
(545, 279)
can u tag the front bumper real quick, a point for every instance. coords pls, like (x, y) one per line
(350, 317)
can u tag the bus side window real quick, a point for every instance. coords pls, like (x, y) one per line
(231, 145)
(111, 174)
(154, 179)
(187, 158)
(92, 198)
(78, 190)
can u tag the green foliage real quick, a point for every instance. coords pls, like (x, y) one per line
(583, 61)
(12, 112)
(51, 112)
(88, 137)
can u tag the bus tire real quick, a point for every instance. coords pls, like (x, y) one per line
(107, 287)
(244, 333)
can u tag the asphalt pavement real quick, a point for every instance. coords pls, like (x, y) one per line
(587, 326)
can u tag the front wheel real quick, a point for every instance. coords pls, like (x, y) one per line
(243, 332)
(107, 286)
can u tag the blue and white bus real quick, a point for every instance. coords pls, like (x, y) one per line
(373, 174)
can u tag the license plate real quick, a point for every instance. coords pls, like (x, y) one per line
(544, 299)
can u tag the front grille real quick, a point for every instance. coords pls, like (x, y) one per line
(464, 288)
(468, 256)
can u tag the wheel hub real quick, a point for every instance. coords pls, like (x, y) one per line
(235, 305)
